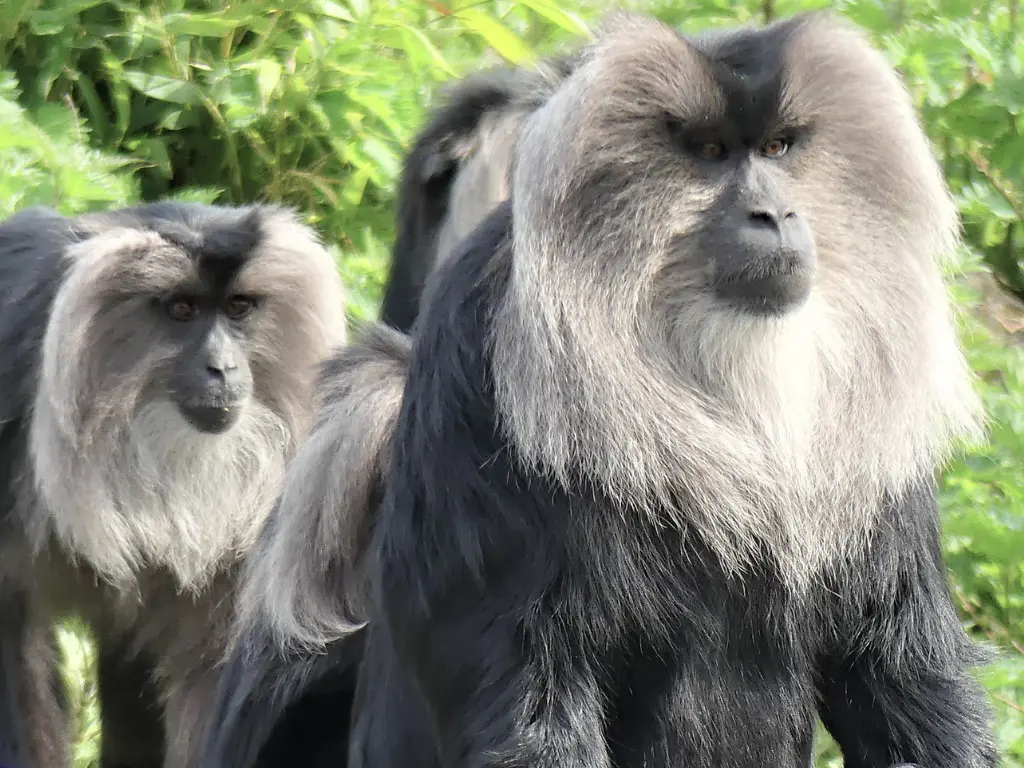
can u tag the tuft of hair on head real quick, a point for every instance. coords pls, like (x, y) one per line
(303, 580)
(615, 363)
(127, 482)
(456, 171)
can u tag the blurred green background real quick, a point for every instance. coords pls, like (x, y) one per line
(312, 102)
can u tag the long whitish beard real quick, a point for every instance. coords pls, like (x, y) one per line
(163, 495)
(778, 437)
(781, 388)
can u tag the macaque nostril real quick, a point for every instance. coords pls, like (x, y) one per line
(220, 370)
(763, 216)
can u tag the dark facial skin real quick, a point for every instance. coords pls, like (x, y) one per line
(211, 381)
(762, 250)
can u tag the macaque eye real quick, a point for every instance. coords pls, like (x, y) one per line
(776, 147)
(675, 127)
(182, 309)
(711, 150)
(682, 133)
(238, 307)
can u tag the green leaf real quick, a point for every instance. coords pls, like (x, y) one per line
(179, 120)
(12, 13)
(97, 113)
(333, 10)
(385, 158)
(355, 186)
(360, 8)
(55, 20)
(1007, 157)
(154, 150)
(499, 37)
(1008, 92)
(202, 24)
(268, 76)
(119, 94)
(564, 19)
(163, 88)
(418, 39)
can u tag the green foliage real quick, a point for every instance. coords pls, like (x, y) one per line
(312, 103)
(45, 160)
(967, 65)
(79, 654)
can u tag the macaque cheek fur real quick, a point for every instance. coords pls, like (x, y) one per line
(662, 486)
(157, 374)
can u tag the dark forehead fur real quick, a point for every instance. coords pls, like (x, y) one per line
(812, 76)
(748, 65)
(736, 83)
(219, 239)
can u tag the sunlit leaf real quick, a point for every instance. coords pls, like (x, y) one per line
(497, 35)
(163, 88)
(565, 19)
(333, 9)
(268, 76)
(359, 7)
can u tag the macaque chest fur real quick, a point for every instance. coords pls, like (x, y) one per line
(544, 618)
(154, 618)
(687, 661)
(684, 658)
(687, 658)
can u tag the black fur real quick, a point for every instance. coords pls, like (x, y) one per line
(31, 243)
(133, 735)
(523, 623)
(33, 704)
(14, 748)
(276, 710)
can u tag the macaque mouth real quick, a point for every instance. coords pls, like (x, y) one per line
(215, 417)
(770, 285)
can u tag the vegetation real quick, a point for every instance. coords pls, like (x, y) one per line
(312, 102)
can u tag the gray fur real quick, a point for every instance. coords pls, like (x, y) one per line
(456, 171)
(485, 156)
(785, 431)
(309, 551)
(483, 178)
(136, 520)
(302, 582)
(126, 482)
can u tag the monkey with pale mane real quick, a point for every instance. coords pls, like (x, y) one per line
(456, 171)
(283, 698)
(660, 489)
(158, 373)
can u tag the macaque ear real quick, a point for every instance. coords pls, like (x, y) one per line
(444, 156)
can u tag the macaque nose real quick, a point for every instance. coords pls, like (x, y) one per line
(769, 216)
(221, 369)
